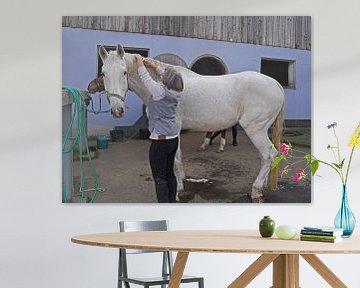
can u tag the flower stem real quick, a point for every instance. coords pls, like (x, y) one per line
(339, 160)
(348, 167)
(337, 146)
(351, 155)
(332, 166)
(299, 151)
(333, 152)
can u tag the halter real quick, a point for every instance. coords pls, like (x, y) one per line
(98, 84)
(116, 96)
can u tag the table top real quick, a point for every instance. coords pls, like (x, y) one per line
(217, 241)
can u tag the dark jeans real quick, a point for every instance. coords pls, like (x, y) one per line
(162, 158)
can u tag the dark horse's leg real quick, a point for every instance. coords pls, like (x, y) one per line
(234, 135)
(214, 135)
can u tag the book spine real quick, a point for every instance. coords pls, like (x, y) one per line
(319, 236)
(318, 239)
(320, 233)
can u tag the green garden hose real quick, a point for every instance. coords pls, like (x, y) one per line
(79, 112)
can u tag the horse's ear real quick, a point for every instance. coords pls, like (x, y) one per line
(103, 53)
(120, 51)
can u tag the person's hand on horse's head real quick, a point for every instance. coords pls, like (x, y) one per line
(149, 63)
(139, 60)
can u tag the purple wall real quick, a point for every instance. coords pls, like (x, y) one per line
(79, 65)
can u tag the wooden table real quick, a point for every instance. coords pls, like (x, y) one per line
(284, 254)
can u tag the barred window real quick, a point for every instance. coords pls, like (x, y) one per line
(281, 70)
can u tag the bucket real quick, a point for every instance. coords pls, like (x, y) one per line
(102, 142)
(144, 133)
(117, 135)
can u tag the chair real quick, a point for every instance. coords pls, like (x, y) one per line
(167, 265)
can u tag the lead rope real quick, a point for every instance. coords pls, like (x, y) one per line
(92, 110)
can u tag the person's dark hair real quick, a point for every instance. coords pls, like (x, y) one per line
(173, 79)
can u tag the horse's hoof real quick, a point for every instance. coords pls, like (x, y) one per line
(219, 151)
(258, 199)
(184, 197)
(201, 149)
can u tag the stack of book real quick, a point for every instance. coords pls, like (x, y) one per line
(321, 234)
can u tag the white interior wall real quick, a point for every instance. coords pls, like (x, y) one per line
(35, 228)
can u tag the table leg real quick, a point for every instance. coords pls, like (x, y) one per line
(286, 271)
(324, 271)
(253, 270)
(178, 269)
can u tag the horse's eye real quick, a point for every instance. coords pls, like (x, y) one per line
(125, 73)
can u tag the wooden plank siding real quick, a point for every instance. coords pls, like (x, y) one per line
(280, 31)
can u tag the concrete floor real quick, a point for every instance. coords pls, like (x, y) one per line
(124, 172)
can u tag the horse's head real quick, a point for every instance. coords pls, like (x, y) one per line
(115, 78)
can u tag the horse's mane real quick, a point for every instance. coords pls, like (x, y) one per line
(132, 67)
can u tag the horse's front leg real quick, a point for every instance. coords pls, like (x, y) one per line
(222, 141)
(179, 171)
(206, 141)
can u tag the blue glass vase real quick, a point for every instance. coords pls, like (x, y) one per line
(345, 219)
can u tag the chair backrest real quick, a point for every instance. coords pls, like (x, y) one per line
(133, 226)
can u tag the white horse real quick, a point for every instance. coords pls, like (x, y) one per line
(209, 103)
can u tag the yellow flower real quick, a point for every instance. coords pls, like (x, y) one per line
(355, 138)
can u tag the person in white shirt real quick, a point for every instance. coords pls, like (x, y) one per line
(163, 127)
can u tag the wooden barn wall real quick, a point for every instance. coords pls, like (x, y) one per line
(279, 31)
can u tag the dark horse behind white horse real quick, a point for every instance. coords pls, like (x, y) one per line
(210, 136)
(209, 103)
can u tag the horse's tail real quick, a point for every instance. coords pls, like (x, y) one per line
(276, 138)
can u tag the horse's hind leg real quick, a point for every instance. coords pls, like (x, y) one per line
(262, 142)
(206, 141)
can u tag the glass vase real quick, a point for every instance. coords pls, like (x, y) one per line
(345, 219)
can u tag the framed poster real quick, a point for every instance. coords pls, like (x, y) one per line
(240, 74)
